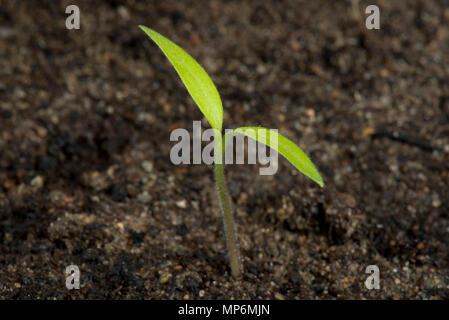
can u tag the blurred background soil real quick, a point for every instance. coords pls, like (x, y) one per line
(86, 178)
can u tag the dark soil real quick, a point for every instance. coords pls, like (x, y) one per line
(86, 179)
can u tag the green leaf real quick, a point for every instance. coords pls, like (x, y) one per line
(284, 146)
(196, 80)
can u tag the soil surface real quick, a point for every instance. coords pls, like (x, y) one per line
(85, 171)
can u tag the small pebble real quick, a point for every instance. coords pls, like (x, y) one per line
(144, 197)
(123, 12)
(8, 183)
(307, 277)
(37, 182)
(436, 202)
(147, 166)
(368, 131)
(310, 113)
(181, 204)
(278, 296)
(121, 226)
(164, 277)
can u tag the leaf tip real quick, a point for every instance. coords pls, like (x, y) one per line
(316, 177)
(145, 29)
(320, 181)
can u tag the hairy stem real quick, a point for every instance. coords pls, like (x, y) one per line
(228, 219)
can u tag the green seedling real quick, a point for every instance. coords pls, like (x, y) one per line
(205, 95)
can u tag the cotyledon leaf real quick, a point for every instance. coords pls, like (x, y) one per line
(282, 145)
(196, 80)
